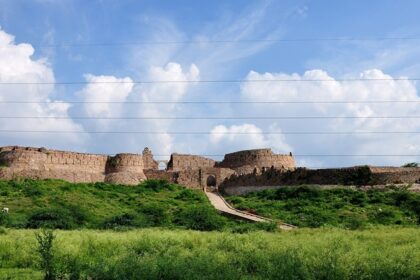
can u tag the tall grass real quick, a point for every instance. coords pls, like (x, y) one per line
(382, 253)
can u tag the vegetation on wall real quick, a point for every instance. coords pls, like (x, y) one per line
(411, 164)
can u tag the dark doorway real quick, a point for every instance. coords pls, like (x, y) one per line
(211, 181)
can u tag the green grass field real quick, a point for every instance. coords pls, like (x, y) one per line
(380, 253)
(158, 230)
(307, 206)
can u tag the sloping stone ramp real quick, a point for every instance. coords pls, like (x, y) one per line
(223, 206)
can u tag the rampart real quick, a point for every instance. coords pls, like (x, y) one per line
(246, 161)
(40, 163)
(244, 169)
(182, 162)
(354, 176)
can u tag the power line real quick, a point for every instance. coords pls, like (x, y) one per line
(209, 118)
(211, 81)
(214, 133)
(213, 102)
(202, 42)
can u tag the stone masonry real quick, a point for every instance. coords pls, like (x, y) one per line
(250, 168)
(189, 170)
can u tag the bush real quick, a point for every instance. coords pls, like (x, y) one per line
(411, 164)
(52, 218)
(246, 227)
(189, 195)
(157, 185)
(3, 231)
(199, 217)
(353, 221)
(384, 216)
(155, 213)
(120, 221)
(4, 219)
(31, 191)
(45, 240)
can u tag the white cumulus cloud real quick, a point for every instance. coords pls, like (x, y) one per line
(327, 88)
(247, 136)
(18, 66)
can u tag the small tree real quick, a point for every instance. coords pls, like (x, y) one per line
(45, 240)
(411, 164)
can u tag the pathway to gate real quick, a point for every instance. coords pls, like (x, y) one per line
(223, 206)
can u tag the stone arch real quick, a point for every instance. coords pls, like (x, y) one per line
(162, 164)
(211, 181)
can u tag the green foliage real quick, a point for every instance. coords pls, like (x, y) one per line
(45, 250)
(57, 204)
(362, 176)
(200, 217)
(411, 164)
(124, 220)
(190, 195)
(156, 214)
(4, 219)
(309, 206)
(380, 253)
(157, 185)
(3, 231)
(52, 218)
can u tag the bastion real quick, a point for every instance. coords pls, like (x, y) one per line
(244, 170)
(189, 170)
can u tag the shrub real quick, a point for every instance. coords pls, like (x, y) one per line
(155, 213)
(31, 191)
(411, 164)
(358, 198)
(4, 219)
(384, 216)
(52, 218)
(353, 221)
(246, 227)
(200, 217)
(361, 176)
(189, 195)
(124, 220)
(45, 240)
(157, 185)
(3, 231)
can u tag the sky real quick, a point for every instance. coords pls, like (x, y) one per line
(74, 68)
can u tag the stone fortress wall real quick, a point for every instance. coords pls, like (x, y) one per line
(349, 176)
(189, 170)
(250, 168)
(182, 162)
(247, 161)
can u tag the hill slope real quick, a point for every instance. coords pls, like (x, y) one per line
(309, 206)
(63, 205)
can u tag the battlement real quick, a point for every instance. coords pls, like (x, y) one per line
(124, 168)
(258, 158)
(181, 162)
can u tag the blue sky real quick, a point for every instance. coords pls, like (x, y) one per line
(29, 28)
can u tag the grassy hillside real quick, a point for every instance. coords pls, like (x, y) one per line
(313, 207)
(382, 253)
(62, 205)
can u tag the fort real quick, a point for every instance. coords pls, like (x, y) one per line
(249, 169)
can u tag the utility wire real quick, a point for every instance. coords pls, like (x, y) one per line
(211, 81)
(203, 42)
(215, 133)
(210, 118)
(212, 102)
